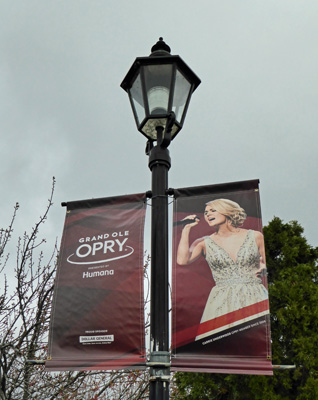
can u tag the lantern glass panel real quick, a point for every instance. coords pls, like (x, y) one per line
(158, 82)
(137, 100)
(181, 94)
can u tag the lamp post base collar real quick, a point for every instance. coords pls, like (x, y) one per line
(159, 155)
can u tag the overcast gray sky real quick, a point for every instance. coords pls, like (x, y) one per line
(64, 114)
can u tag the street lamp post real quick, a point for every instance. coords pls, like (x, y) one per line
(159, 88)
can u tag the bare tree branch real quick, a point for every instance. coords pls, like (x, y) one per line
(25, 307)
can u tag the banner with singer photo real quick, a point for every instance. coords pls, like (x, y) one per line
(97, 320)
(220, 307)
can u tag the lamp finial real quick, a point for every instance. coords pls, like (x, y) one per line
(161, 47)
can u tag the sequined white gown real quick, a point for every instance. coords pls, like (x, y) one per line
(236, 284)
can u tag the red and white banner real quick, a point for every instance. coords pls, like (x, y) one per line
(220, 300)
(97, 318)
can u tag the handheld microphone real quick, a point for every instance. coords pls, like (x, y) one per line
(185, 222)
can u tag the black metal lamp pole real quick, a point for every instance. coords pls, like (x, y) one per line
(159, 164)
(159, 88)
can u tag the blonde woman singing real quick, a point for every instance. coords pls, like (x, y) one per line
(236, 257)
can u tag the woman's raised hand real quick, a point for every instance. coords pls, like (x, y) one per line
(193, 220)
(185, 254)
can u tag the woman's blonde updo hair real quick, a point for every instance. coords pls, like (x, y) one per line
(233, 211)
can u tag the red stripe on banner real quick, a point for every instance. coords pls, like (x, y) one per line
(233, 316)
(186, 336)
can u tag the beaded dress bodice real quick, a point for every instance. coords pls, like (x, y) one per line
(236, 283)
(225, 270)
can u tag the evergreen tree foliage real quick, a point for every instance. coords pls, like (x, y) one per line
(293, 289)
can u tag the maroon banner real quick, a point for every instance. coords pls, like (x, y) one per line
(220, 308)
(97, 320)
